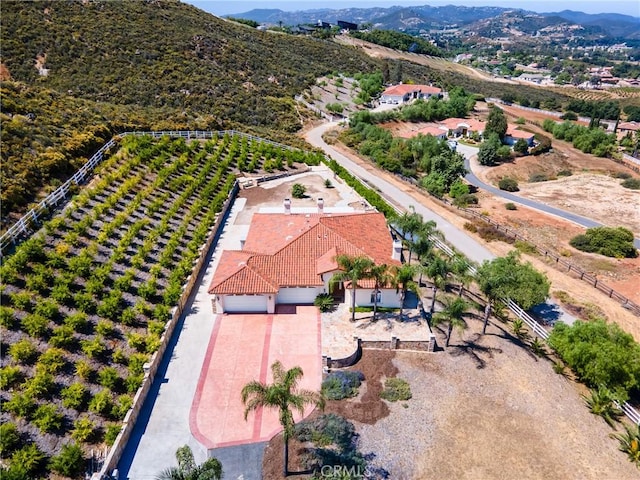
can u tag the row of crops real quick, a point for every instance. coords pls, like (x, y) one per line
(85, 300)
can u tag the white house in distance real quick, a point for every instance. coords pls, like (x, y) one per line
(513, 134)
(403, 93)
(290, 258)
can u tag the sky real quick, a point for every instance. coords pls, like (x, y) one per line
(627, 7)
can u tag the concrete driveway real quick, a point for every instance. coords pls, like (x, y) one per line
(241, 349)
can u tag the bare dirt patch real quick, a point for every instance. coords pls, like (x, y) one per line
(486, 408)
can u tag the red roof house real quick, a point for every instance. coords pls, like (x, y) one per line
(290, 258)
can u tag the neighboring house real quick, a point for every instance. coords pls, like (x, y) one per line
(403, 93)
(291, 258)
(533, 77)
(513, 135)
(463, 127)
(438, 132)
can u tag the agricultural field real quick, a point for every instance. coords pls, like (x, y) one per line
(86, 299)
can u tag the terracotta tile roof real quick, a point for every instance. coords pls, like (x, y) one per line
(404, 88)
(428, 130)
(270, 232)
(513, 132)
(635, 126)
(303, 258)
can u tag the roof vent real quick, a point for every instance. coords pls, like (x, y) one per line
(320, 204)
(287, 206)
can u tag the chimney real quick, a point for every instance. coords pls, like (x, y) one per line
(320, 205)
(287, 206)
(396, 253)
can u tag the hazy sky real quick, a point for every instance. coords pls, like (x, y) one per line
(627, 7)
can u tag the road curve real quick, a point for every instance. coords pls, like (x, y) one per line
(469, 152)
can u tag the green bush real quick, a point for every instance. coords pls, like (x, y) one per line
(324, 302)
(111, 433)
(74, 396)
(69, 462)
(28, 459)
(108, 377)
(9, 438)
(83, 429)
(508, 184)
(565, 173)
(121, 407)
(7, 317)
(525, 247)
(101, 403)
(601, 354)
(631, 183)
(466, 200)
(47, 418)
(10, 376)
(35, 325)
(396, 389)
(608, 241)
(23, 351)
(21, 405)
(622, 175)
(342, 384)
(510, 206)
(458, 188)
(298, 190)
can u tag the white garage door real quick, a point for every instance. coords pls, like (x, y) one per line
(298, 296)
(245, 303)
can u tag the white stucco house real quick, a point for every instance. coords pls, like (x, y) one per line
(514, 134)
(403, 93)
(290, 258)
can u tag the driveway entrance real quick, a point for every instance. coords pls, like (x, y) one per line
(241, 349)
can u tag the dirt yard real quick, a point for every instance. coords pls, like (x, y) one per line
(486, 408)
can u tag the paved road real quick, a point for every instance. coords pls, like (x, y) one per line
(399, 197)
(470, 152)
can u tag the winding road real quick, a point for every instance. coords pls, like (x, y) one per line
(470, 152)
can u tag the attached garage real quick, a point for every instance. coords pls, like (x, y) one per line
(245, 303)
(298, 295)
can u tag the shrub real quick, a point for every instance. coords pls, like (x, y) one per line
(47, 308)
(105, 328)
(508, 184)
(7, 318)
(62, 336)
(327, 429)
(569, 116)
(9, 438)
(108, 377)
(74, 396)
(525, 247)
(133, 382)
(83, 429)
(23, 351)
(111, 433)
(10, 376)
(47, 418)
(538, 177)
(84, 302)
(342, 384)
(83, 370)
(621, 175)
(51, 361)
(631, 183)
(40, 385)
(122, 406)
(93, 348)
(470, 227)
(21, 300)
(35, 325)
(396, 389)
(458, 188)
(21, 404)
(465, 200)
(298, 190)
(607, 241)
(510, 206)
(70, 461)
(328, 184)
(565, 173)
(77, 321)
(28, 460)
(324, 302)
(101, 403)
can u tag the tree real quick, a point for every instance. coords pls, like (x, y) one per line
(410, 224)
(404, 279)
(352, 270)
(452, 315)
(70, 461)
(496, 123)
(283, 394)
(521, 146)
(438, 270)
(381, 276)
(461, 270)
(507, 278)
(488, 152)
(187, 469)
(298, 190)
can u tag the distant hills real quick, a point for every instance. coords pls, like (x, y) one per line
(416, 18)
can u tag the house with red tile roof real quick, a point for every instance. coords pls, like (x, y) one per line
(291, 258)
(514, 134)
(434, 130)
(403, 93)
(463, 127)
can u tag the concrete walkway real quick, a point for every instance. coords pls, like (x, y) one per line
(163, 425)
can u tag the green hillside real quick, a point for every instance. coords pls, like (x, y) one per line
(113, 66)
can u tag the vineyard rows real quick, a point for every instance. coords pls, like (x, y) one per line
(86, 299)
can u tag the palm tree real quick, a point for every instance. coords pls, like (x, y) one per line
(352, 270)
(409, 224)
(452, 315)
(381, 277)
(187, 469)
(283, 394)
(438, 270)
(404, 275)
(461, 269)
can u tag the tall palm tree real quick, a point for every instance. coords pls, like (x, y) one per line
(461, 270)
(409, 224)
(438, 270)
(352, 270)
(404, 275)
(452, 314)
(187, 469)
(283, 394)
(381, 277)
